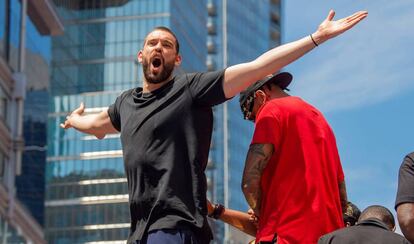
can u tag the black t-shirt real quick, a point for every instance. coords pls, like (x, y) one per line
(368, 231)
(405, 193)
(166, 136)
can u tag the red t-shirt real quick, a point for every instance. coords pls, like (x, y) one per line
(300, 193)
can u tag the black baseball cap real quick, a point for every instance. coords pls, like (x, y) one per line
(282, 80)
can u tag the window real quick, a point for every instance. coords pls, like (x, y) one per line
(3, 104)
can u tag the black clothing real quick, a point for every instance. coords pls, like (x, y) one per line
(405, 192)
(165, 136)
(168, 236)
(369, 231)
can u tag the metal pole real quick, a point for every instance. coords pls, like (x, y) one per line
(225, 126)
(22, 87)
(5, 233)
(22, 44)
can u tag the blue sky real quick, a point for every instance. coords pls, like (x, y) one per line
(363, 82)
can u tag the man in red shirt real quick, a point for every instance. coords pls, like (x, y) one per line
(293, 178)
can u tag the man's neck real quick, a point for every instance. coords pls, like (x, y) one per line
(150, 87)
(278, 93)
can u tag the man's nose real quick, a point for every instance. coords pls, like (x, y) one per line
(158, 46)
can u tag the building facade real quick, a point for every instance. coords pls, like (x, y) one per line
(25, 27)
(95, 60)
(238, 31)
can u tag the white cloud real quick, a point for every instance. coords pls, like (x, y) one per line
(371, 64)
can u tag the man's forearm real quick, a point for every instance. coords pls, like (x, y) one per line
(253, 193)
(239, 77)
(239, 220)
(95, 124)
(256, 160)
(85, 123)
(269, 62)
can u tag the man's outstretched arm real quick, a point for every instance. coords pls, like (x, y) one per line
(257, 158)
(239, 77)
(237, 219)
(95, 124)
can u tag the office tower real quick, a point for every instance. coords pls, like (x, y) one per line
(25, 27)
(238, 31)
(94, 61)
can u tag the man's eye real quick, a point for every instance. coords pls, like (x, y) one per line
(168, 44)
(152, 43)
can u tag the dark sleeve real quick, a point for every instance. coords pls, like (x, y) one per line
(326, 239)
(114, 111)
(405, 192)
(207, 88)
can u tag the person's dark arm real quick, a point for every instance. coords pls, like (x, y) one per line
(343, 196)
(256, 160)
(405, 215)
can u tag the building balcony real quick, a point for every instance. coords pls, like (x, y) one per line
(275, 17)
(211, 26)
(210, 63)
(44, 17)
(211, 9)
(211, 47)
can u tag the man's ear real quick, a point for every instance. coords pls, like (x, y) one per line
(261, 95)
(139, 56)
(177, 60)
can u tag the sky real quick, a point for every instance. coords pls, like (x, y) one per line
(363, 82)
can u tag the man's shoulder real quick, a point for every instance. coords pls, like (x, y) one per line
(410, 157)
(187, 76)
(408, 163)
(335, 235)
(198, 75)
(359, 233)
(124, 94)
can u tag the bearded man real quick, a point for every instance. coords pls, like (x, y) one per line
(166, 128)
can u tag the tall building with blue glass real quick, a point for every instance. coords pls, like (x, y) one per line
(238, 31)
(95, 60)
(25, 29)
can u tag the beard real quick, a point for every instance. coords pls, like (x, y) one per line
(166, 71)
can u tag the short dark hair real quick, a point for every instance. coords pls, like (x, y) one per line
(351, 214)
(378, 212)
(166, 29)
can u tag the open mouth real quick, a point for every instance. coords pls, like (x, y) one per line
(156, 62)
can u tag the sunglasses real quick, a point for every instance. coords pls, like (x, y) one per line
(247, 107)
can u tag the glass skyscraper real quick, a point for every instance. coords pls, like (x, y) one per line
(25, 27)
(95, 60)
(238, 31)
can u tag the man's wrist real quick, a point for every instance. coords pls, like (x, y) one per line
(317, 38)
(217, 211)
